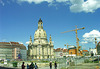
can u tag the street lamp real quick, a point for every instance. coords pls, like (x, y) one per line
(71, 54)
(96, 44)
(6, 56)
(67, 48)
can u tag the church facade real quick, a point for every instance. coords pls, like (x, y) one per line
(40, 48)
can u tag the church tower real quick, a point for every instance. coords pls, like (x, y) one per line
(50, 39)
(40, 48)
(30, 42)
(40, 24)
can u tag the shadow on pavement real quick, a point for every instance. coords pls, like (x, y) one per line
(6, 68)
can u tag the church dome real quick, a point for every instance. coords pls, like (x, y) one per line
(40, 36)
(40, 33)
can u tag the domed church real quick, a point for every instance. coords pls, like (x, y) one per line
(40, 48)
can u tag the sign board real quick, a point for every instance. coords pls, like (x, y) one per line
(61, 54)
(5, 61)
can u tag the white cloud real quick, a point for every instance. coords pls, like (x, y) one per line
(84, 42)
(84, 6)
(20, 42)
(52, 41)
(53, 4)
(61, 0)
(90, 37)
(74, 5)
(93, 33)
(35, 1)
(91, 5)
(2, 2)
(4, 40)
(64, 48)
(27, 42)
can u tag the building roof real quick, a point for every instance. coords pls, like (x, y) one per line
(4, 43)
(72, 48)
(65, 50)
(60, 50)
(98, 44)
(12, 45)
(85, 50)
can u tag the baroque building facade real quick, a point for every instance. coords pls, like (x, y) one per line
(40, 48)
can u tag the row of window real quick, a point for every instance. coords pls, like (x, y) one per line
(48, 56)
(40, 34)
(5, 55)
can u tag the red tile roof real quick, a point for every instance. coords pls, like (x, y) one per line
(58, 50)
(4, 43)
(61, 50)
(65, 50)
(11, 45)
(14, 42)
(85, 50)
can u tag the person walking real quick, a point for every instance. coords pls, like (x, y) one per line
(23, 66)
(50, 65)
(67, 62)
(36, 67)
(55, 65)
(32, 66)
(28, 66)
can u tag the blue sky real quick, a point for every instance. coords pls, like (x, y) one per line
(19, 20)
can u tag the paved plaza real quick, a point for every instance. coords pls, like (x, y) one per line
(6, 68)
(81, 66)
(86, 66)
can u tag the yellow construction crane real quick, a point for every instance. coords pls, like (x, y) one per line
(77, 39)
(68, 45)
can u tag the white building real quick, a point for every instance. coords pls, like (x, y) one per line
(60, 53)
(94, 51)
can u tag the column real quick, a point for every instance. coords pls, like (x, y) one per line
(32, 53)
(42, 52)
(50, 52)
(36, 52)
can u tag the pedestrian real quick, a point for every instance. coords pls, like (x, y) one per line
(67, 62)
(50, 64)
(32, 66)
(36, 67)
(55, 65)
(23, 66)
(28, 66)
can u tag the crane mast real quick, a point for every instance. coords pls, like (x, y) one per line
(77, 39)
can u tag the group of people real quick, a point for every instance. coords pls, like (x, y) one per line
(31, 66)
(55, 65)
